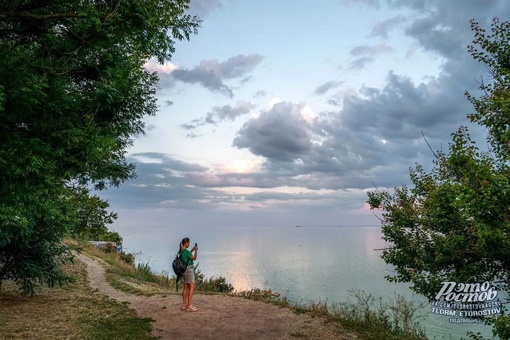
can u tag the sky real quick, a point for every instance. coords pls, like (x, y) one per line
(283, 113)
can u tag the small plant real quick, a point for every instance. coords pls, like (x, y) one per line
(376, 319)
(127, 275)
(502, 327)
(127, 258)
(214, 285)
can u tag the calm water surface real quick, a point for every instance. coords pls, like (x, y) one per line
(303, 263)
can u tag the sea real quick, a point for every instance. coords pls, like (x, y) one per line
(304, 263)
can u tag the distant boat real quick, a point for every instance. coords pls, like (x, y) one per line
(297, 226)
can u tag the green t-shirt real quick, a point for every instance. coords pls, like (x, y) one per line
(185, 255)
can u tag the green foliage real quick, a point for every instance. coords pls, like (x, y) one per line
(93, 217)
(493, 107)
(377, 319)
(211, 284)
(454, 223)
(127, 258)
(502, 327)
(32, 227)
(73, 92)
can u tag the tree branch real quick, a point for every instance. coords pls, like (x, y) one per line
(39, 17)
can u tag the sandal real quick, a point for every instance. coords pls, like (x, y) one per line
(184, 307)
(191, 309)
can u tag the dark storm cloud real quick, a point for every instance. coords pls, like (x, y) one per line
(276, 134)
(212, 74)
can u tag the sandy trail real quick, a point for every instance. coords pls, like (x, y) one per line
(218, 317)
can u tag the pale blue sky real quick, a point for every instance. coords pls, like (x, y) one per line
(287, 112)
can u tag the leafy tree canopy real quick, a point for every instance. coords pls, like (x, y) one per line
(453, 224)
(73, 92)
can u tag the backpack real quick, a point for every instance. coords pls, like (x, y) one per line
(179, 268)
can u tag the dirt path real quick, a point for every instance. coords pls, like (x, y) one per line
(218, 317)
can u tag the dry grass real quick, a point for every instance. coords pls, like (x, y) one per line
(71, 312)
(138, 280)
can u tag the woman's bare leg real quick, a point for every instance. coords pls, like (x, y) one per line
(185, 295)
(191, 289)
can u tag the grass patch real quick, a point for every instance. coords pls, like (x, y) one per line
(372, 318)
(73, 311)
(123, 274)
(79, 313)
(368, 317)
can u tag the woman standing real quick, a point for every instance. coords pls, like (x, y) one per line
(189, 276)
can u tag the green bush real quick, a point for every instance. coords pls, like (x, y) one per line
(217, 285)
(377, 319)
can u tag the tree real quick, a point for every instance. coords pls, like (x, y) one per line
(454, 223)
(93, 217)
(73, 92)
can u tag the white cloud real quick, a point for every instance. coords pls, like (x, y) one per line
(154, 66)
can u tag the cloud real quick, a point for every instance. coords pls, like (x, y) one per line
(193, 125)
(202, 8)
(370, 50)
(219, 114)
(381, 29)
(212, 74)
(367, 137)
(327, 86)
(360, 63)
(280, 133)
(260, 93)
(444, 26)
(365, 55)
(374, 3)
(154, 66)
(161, 181)
(373, 136)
